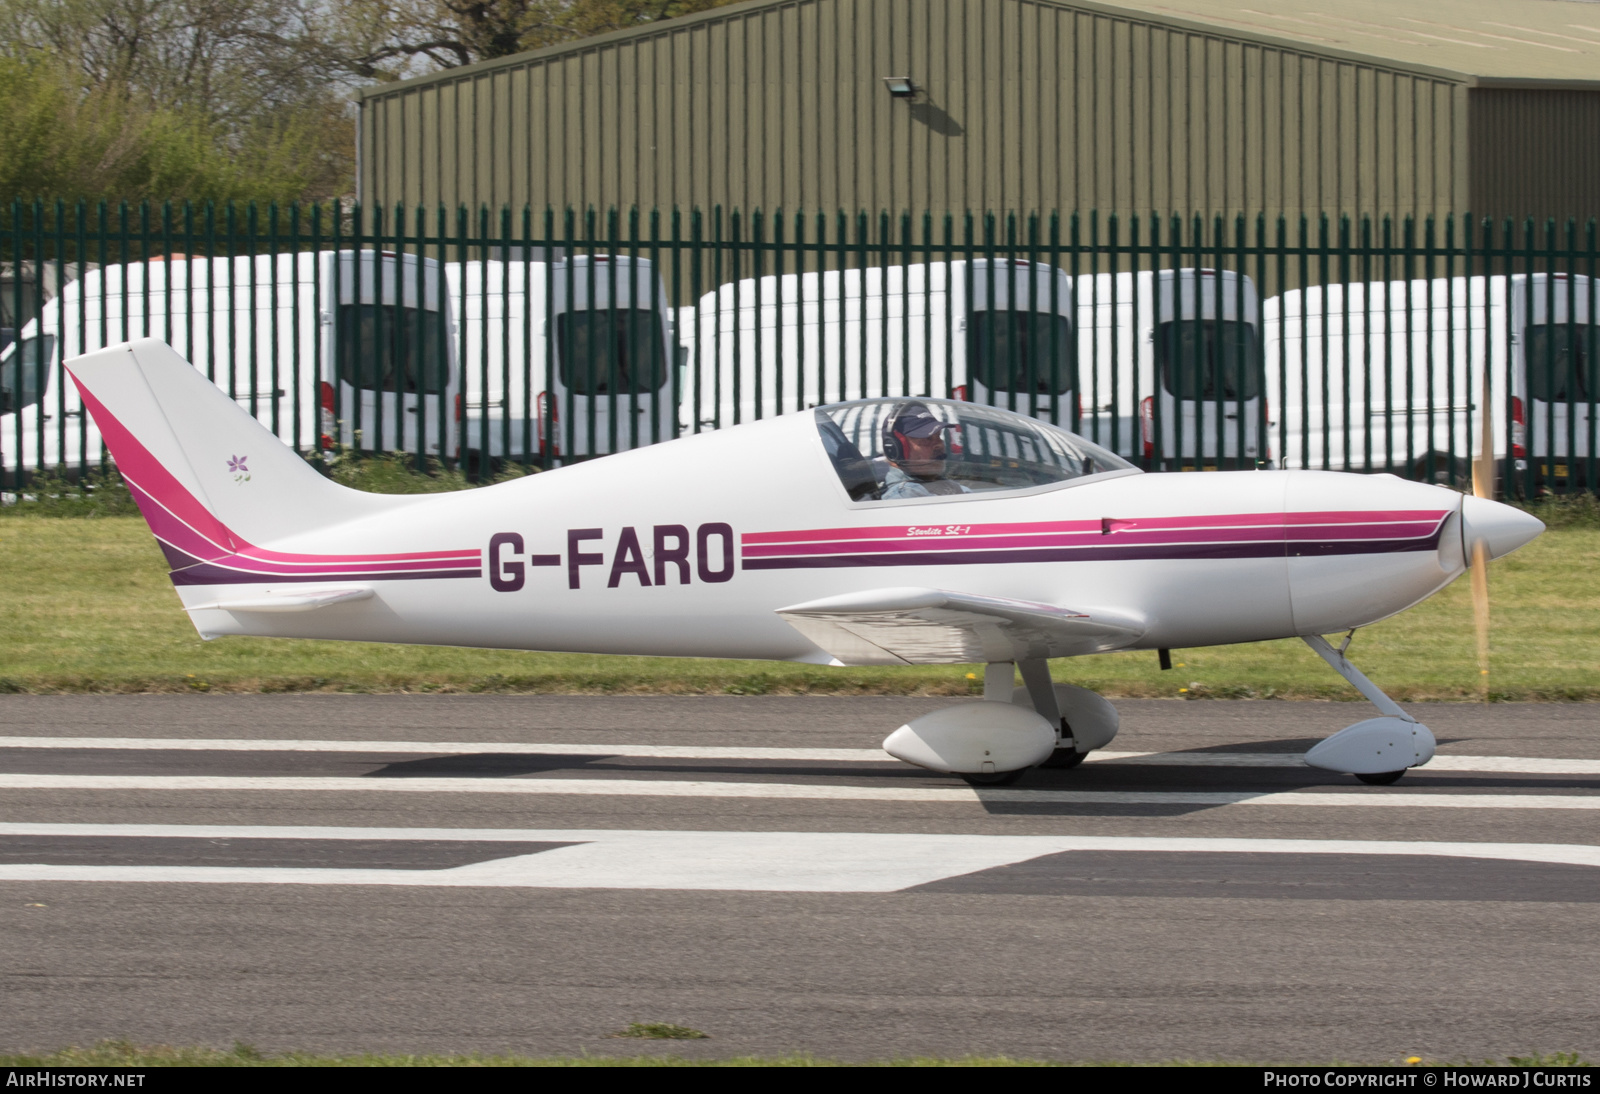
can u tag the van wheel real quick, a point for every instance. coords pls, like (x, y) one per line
(1443, 469)
(478, 466)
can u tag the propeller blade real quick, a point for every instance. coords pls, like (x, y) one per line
(1483, 466)
(1483, 487)
(1480, 612)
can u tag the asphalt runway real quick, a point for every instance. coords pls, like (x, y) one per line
(530, 874)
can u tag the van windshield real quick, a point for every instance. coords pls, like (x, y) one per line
(1563, 361)
(1026, 352)
(1209, 359)
(25, 372)
(382, 347)
(611, 351)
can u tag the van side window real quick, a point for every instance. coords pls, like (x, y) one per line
(1026, 352)
(1563, 361)
(1207, 359)
(25, 372)
(611, 351)
(381, 347)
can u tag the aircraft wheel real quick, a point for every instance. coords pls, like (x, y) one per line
(998, 778)
(1382, 778)
(1063, 758)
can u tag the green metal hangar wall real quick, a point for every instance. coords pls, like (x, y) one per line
(1292, 106)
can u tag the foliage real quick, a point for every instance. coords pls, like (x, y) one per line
(101, 142)
(661, 1031)
(398, 473)
(103, 493)
(1577, 510)
(1547, 1059)
(394, 473)
(392, 39)
(228, 61)
(99, 493)
(242, 100)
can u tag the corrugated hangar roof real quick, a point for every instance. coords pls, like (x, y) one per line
(1493, 40)
(1554, 43)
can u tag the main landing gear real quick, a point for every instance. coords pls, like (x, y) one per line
(992, 743)
(1379, 750)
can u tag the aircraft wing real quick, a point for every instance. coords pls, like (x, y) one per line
(910, 626)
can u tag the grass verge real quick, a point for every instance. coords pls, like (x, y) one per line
(85, 606)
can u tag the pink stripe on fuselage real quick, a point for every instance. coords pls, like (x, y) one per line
(1413, 530)
(1261, 527)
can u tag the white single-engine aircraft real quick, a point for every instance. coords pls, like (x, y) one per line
(880, 532)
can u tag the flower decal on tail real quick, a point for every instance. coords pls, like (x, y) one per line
(236, 467)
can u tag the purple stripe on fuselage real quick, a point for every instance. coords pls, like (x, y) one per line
(1122, 540)
(207, 573)
(188, 570)
(1125, 553)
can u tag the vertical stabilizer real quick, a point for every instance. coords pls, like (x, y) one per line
(203, 470)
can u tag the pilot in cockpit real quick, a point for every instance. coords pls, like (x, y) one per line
(913, 443)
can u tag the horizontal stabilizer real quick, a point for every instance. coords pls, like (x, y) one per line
(297, 600)
(911, 626)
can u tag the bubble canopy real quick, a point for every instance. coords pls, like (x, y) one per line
(906, 448)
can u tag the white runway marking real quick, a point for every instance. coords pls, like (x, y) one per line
(1493, 765)
(451, 748)
(1407, 797)
(750, 861)
(1508, 765)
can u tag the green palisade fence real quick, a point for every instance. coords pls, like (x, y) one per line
(540, 337)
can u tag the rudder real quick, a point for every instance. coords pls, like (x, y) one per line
(192, 455)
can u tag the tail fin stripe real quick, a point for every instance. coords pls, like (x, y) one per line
(171, 529)
(137, 464)
(191, 532)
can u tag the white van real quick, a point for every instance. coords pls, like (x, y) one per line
(27, 286)
(612, 388)
(996, 331)
(1170, 367)
(1098, 339)
(323, 349)
(1388, 376)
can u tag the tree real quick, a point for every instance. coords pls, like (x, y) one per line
(221, 99)
(392, 39)
(108, 144)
